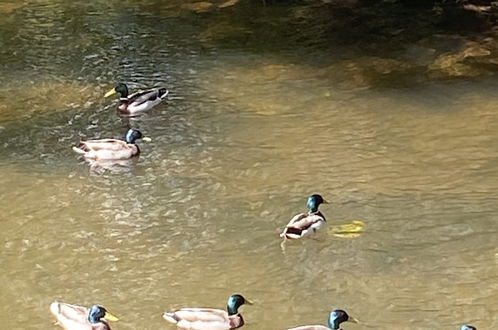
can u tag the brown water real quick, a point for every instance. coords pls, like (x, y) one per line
(254, 124)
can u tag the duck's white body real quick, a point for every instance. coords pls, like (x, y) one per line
(107, 149)
(204, 319)
(74, 317)
(303, 224)
(140, 102)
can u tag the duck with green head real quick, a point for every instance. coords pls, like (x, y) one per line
(467, 327)
(336, 317)
(139, 102)
(111, 149)
(208, 318)
(305, 223)
(74, 317)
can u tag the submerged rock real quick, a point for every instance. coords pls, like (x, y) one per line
(198, 7)
(462, 62)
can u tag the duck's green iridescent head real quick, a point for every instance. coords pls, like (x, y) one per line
(97, 313)
(314, 201)
(338, 316)
(132, 135)
(467, 327)
(234, 302)
(120, 88)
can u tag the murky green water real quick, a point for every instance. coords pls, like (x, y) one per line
(257, 119)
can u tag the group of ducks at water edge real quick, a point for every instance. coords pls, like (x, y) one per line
(74, 317)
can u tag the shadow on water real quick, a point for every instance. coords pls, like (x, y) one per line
(334, 37)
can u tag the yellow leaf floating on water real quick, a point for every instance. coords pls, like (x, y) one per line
(348, 230)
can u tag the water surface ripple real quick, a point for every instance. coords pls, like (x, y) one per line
(243, 139)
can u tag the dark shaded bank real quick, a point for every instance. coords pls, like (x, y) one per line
(416, 40)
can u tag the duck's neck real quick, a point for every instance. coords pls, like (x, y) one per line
(93, 320)
(313, 210)
(232, 310)
(334, 324)
(130, 138)
(236, 321)
(124, 92)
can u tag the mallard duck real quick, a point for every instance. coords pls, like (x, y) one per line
(467, 327)
(207, 318)
(73, 317)
(306, 223)
(139, 102)
(336, 317)
(111, 149)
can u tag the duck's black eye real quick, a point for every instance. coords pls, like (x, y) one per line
(122, 89)
(96, 313)
(132, 135)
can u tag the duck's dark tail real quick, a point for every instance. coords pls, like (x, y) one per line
(291, 232)
(162, 93)
(79, 150)
(171, 317)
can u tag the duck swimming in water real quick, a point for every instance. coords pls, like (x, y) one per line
(336, 317)
(73, 317)
(306, 223)
(209, 319)
(139, 102)
(111, 149)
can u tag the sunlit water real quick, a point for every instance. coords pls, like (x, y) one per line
(246, 135)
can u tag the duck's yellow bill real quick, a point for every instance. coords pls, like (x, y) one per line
(111, 92)
(353, 320)
(248, 301)
(110, 317)
(146, 139)
(326, 202)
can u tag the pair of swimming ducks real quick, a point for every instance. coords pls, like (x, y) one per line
(129, 105)
(72, 317)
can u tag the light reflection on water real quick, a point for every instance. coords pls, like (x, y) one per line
(242, 141)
